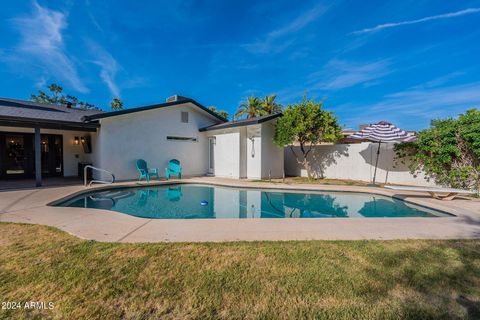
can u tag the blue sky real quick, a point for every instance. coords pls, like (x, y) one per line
(402, 61)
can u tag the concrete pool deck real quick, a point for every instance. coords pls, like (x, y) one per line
(31, 206)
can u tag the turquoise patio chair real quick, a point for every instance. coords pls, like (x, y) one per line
(144, 172)
(173, 168)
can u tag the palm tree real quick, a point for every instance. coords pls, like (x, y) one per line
(251, 108)
(270, 106)
(116, 104)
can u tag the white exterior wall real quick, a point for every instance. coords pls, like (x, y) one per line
(254, 152)
(272, 156)
(247, 152)
(126, 138)
(227, 154)
(243, 152)
(72, 153)
(354, 162)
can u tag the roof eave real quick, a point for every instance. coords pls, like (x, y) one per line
(152, 107)
(47, 124)
(234, 124)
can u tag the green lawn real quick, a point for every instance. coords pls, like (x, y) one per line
(268, 280)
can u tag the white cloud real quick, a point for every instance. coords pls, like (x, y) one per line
(440, 80)
(41, 83)
(42, 43)
(271, 41)
(416, 107)
(411, 101)
(299, 23)
(108, 67)
(402, 23)
(340, 74)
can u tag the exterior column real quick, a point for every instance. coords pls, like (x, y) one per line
(38, 158)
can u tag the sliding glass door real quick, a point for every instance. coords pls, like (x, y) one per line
(17, 155)
(52, 160)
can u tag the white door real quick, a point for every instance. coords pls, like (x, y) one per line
(211, 155)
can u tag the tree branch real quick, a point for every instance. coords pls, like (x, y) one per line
(295, 154)
(308, 151)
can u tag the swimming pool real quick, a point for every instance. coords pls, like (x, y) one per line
(190, 201)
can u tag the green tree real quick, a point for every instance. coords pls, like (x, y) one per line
(41, 97)
(448, 152)
(69, 98)
(116, 104)
(251, 108)
(221, 113)
(55, 96)
(86, 105)
(56, 90)
(307, 124)
(269, 105)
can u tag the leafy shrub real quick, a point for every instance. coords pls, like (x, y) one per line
(448, 151)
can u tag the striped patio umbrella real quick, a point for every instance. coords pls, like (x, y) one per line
(382, 131)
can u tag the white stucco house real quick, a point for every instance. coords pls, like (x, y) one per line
(41, 140)
(244, 149)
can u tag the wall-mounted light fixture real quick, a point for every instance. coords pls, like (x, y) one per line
(82, 140)
(252, 139)
(76, 141)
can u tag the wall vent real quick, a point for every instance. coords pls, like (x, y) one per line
(175, 98)
(172, 98)
(184, 117)
(175, 138)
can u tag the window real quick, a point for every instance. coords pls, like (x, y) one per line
(185, 117)
(174, 138)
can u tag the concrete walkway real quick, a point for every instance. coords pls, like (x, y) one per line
(30, 206)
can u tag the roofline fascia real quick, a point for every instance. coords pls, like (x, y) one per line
(48, 124)
(233, 124)
(152, 107)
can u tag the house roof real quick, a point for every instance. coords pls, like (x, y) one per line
(181, 100)
(241, 123)
(35, 110)
(24, 113)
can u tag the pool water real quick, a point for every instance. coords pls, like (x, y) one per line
(187, 201)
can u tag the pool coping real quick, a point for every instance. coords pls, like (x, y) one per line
(33, 206)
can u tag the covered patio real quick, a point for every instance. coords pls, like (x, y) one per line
(42, 144)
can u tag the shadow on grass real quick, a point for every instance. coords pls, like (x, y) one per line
(269, 280)
(432, 282)
(473, 307)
